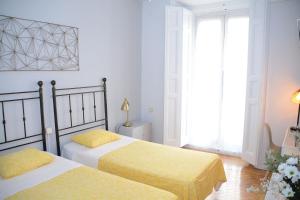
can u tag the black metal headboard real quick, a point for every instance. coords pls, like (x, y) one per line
(68, 92)
(5, 98)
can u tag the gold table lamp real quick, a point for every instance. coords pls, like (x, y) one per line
(125, 107)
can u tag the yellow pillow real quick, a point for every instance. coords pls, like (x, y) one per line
(20, 162)
(95, 138)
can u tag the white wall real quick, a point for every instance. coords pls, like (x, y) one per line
(109, 46)
(284, 67)
(153, 55)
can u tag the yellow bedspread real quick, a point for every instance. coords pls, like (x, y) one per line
(84, 183)
(191, 175)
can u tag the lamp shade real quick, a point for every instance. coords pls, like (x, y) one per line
(125, 105)
(296, 97)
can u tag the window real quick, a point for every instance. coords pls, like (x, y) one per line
(219, 83)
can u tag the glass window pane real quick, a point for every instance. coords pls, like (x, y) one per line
(234, 83)
(206, 83)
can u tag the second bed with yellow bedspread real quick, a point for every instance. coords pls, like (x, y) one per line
(86, 183)
(191, 175)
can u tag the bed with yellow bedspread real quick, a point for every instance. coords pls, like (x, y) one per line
(191, 175)
(86, 183)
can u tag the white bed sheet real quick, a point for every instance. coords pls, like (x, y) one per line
(16, 184)
(90, 156)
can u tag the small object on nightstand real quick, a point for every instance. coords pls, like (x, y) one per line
(125, 107)
(139, 130)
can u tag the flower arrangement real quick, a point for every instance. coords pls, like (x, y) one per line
(285, 181)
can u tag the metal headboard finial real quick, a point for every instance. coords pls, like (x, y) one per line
(105, 103)
(40, 84)
(53, 83)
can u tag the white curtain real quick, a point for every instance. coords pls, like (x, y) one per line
(219, 83)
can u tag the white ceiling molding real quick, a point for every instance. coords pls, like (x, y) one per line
(221, 6)
(203, 7)
(196, 3)
(277, 0)
(193, 3)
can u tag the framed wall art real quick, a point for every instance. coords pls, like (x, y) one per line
(30, 45)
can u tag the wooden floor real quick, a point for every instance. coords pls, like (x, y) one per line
(240, 175)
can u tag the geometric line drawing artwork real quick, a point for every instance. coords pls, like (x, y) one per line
(30, 45)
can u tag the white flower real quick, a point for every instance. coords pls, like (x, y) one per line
(282, 185)
(281, 168)
(290, 171)
(277, 177)
(292, 161)
(296, 178)
(288, 192)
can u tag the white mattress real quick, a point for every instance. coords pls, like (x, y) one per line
(16, 184)
(90, 156)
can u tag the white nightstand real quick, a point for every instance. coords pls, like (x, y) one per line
(289, 145)
(139, 130)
